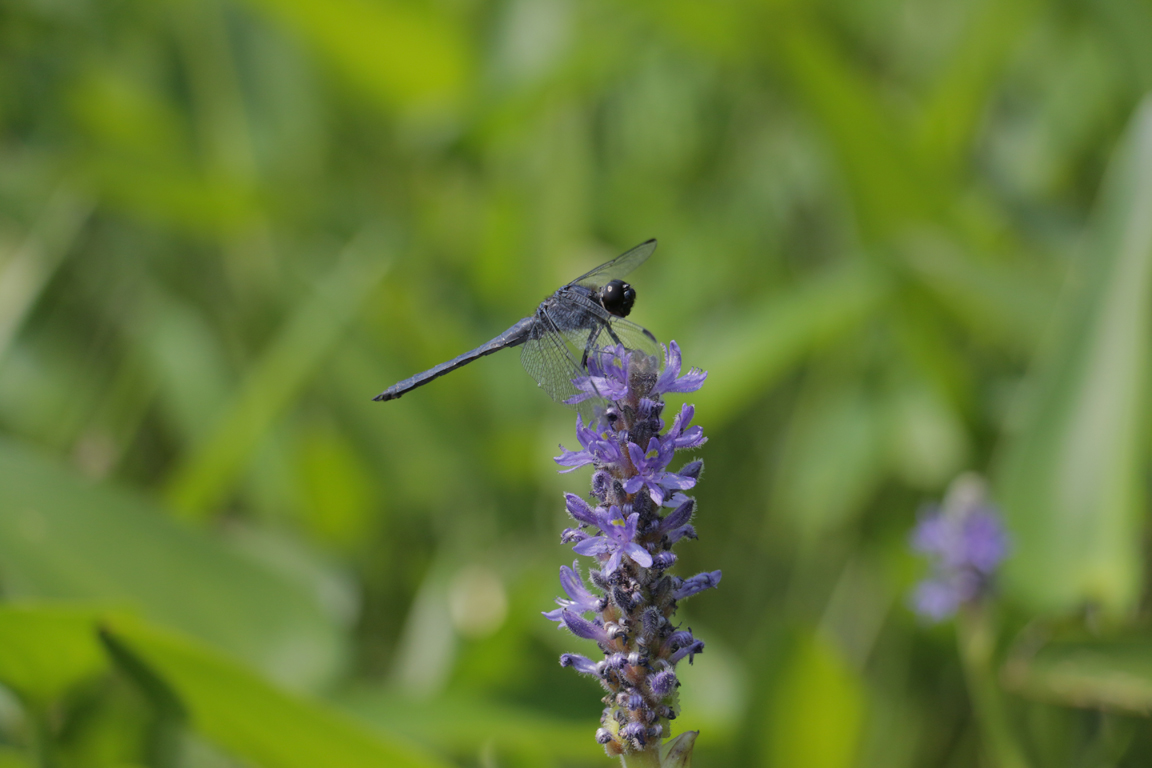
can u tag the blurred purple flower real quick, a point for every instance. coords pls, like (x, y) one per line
(639, 512)
(964, 542)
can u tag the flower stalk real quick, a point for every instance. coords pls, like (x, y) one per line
(976, 635)
(637, 513)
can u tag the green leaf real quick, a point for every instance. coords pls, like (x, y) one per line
(818, 709)
(1000, 301)
(186, 359)
(1111, 673)
(465, 725)
(26, 273)
(66, 539)
(167, 712)
(275, 380)
(45, 650)
(173, 196)
(833, 460)
(751, 353)
(958, 101)
(1072, 481)
(11, 758)
(338, 500)
(406, 55)
(253, 719)
(886, 185)
(926, 439)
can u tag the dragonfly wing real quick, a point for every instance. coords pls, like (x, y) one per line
(618, 267)
(607, 330)
(633, 337)
(550, 358)
(585, 331)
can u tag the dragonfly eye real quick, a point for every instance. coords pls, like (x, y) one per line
(618, 297)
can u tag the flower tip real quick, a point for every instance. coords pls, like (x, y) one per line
(581, 664)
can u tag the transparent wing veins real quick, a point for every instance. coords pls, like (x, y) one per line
(618, 267)
(549, 360)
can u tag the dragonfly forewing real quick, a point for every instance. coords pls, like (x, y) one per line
(618, 267)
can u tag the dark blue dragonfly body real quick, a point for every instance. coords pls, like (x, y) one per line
(573, 324)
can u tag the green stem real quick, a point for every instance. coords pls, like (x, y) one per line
(649, 758)
(976, 634)
(42, 746)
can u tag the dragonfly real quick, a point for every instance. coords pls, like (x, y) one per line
(580, 321)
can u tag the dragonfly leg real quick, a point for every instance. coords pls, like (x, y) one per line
(591, 343)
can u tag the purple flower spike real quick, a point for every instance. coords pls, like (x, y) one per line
(689, 650)
(965, 542)
(635, 732)
(638, 511)
(679, 516)
(935, 600)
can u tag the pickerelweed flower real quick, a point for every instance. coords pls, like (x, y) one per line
(638, 512)
(965, 543)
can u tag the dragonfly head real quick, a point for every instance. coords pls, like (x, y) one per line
(617, 297)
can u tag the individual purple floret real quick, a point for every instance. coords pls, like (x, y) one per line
(638, 512)
(965, 543)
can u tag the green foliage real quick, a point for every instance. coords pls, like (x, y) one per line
(818, 711)
(244, 714)
(1101, 672)
(1073, 483)
(907, 239)
(48, 650)
(62, 539)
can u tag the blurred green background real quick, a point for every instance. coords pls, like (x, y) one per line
(906, 238)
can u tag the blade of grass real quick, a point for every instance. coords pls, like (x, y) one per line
(952, 114)
(62, 538)
(406, 55)
(25, 273)
(1113, 672)
(1072, 482)
(751, 353)
(253, 719)
(208, 474)
(47, 649)
(886, 185)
